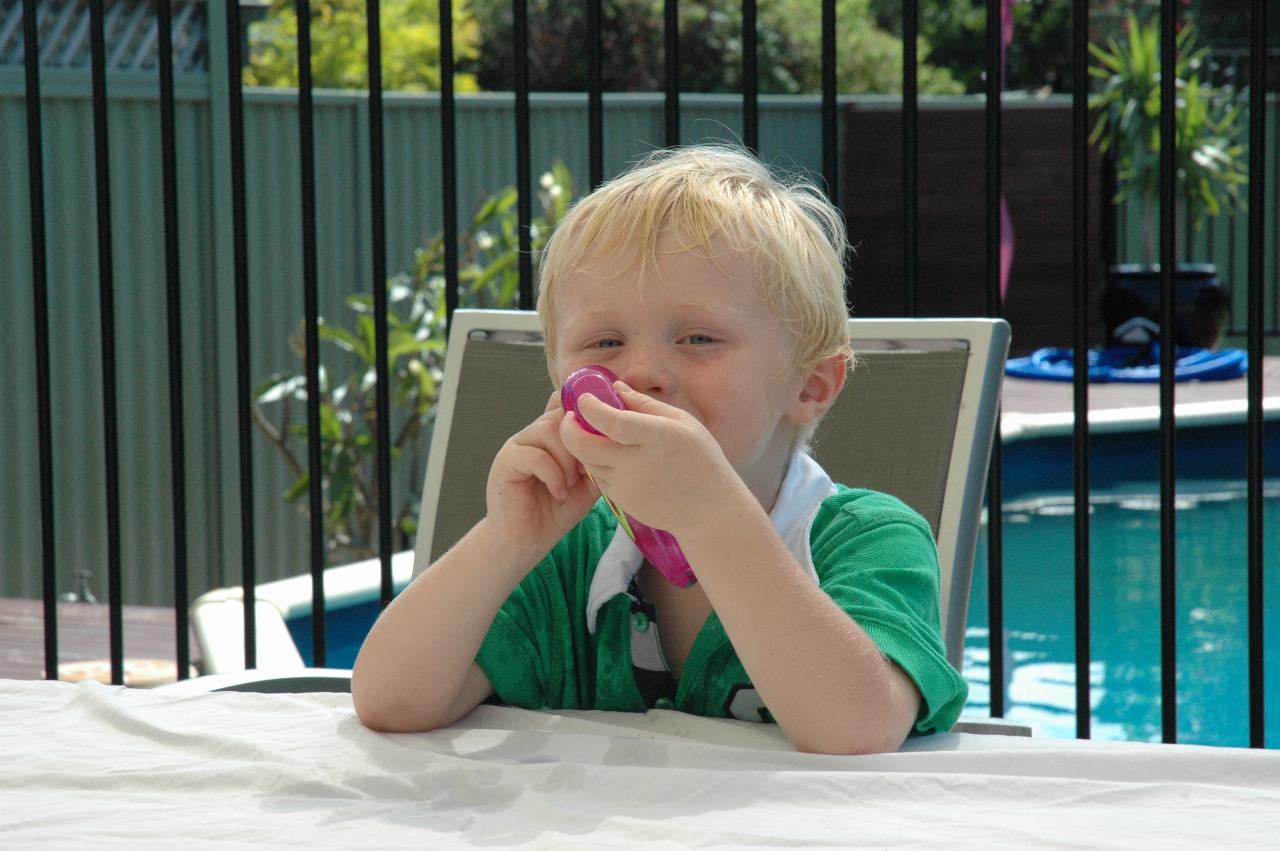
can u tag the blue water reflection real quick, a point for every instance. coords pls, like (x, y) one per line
(1124, 674)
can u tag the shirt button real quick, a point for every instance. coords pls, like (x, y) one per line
(664, 703)
(640, 621)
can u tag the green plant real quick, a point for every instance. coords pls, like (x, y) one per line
(788, 48)
(1208, 160)
(410, 35)
(488, 277)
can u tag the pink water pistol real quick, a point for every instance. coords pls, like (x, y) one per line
(658, 546)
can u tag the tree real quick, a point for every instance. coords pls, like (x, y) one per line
(868, 58)
(1040, 55)
(788, 47)
(340, 45)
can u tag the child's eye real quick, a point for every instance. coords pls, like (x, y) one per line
(606, 343)
(699, 339)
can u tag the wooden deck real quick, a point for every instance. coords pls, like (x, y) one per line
(150, 646)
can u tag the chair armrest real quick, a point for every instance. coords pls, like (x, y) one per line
(991, 727)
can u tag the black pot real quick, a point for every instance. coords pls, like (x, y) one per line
(1200, 303)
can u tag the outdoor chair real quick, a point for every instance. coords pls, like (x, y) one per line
(916, 419)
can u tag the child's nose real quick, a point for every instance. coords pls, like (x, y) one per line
(646, 371)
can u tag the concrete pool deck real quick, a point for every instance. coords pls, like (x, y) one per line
(1028, 396)
(1033, 408)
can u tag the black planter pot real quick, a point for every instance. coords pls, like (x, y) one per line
(1201, 303)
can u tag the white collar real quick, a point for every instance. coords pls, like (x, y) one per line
(804, 487)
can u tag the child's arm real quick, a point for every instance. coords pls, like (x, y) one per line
(824, 680)
(416, 669)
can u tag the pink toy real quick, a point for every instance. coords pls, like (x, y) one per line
(658, 546)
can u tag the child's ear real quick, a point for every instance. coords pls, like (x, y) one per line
(821, 387)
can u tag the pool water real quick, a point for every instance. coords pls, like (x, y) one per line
(1124, 674)
(344, 632)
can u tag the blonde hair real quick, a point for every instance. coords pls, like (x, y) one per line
(713, 197)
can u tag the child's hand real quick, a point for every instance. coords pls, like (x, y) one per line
(657, 462)
(537, 491)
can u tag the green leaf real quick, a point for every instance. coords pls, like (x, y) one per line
(278, 386)
(298, 488)
(340, 337)
(498, 267)
(330, 425)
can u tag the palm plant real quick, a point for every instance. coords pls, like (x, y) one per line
(1208, 160)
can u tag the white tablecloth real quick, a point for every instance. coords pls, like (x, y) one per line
(88, 765)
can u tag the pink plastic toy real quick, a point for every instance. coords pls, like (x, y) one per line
(658, 546)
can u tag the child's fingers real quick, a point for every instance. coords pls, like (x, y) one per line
(640, 403)
(630, 427)
(526, 462)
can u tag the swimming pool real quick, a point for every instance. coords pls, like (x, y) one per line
(1212, 560)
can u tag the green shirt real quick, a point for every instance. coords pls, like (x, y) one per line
(553, 646)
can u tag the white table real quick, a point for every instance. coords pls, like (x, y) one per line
(88, 765)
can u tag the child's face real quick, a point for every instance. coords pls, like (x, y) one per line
(696, 334)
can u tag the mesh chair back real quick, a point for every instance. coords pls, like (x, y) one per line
(893, 426)
(502, 387)
(916, 419)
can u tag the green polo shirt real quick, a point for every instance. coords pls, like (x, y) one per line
(873, 555)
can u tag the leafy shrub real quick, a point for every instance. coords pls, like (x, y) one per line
(488, 277)
(789, 52)
(340, 45)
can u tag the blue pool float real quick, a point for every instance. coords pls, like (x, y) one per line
(1131, 364)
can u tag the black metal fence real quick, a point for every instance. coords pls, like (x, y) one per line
(1168, 242)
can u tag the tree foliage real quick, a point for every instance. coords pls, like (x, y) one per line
(789, 52)
(1039, 58)
(410, 36)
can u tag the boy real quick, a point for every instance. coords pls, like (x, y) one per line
(716, 294)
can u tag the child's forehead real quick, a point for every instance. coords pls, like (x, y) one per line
(690, 278)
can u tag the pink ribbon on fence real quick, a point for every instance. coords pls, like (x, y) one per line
(1006, 222)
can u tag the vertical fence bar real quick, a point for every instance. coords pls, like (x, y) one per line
(1275, 231)
(311, 307)
(106, 307)
(524, 204)
(830, 120)
(910, 156)
(449, 163)
(1257, 215)
(40, 303)
(750, 79)
(671, 71)
(595, 99)
(244, 385)
(995, 475)
(1168, 345)
(378, 236)
(1080, 337)
(173, 305)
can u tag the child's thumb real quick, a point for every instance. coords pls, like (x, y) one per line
(639, 402)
